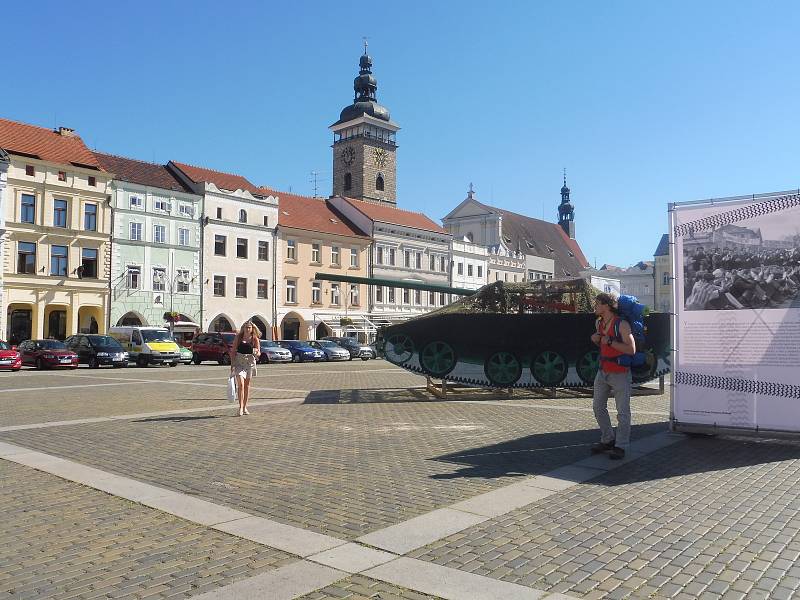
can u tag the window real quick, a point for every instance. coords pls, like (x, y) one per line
(133, 277)
(242, 216)
(62, 175)
(392, 256)
(58, 261)
(316, 252)
(432, 298)
(348, 180)
(443, 264)
(480, 271)
(266, 221)
(379, 255)
(460, 267)
(92, 181)
(28, 208)
(241, 247)
(262, 290)
(353, 294)
(379, 294)
(291, 250)
(159, 234)
(316, 292)
(335, 294)
(183, 236)
(418, 260)
(335, 255)
(59, 213)
(291, 291)
(390, 295)
(354, 257)
(162, 205)
(219, 212)
(88, 263)
(183, 280)
(432, 265)
(666, 279)
(186, 210)
(469, 270)
(136, 231)
(406, 296)
(90, 217)
(379, 183)
(136, 202)
(26, 258)
(417, 297)
(407, 259)
(29, 170)
(241, 287)
(219, 285)
(263, 250)
(442, 299)
(159, 279)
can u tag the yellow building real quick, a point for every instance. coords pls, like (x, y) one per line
(56, 246)
(312, 238)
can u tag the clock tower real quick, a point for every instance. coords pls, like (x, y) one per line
(364, 148)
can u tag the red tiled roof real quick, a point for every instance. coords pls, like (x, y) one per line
(224, 181)
(137, 171)
(45, 144)
(310, 214)
(395, 216)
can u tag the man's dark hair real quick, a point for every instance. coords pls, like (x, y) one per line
(607, 299)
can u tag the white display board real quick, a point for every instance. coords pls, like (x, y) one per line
(736, 362)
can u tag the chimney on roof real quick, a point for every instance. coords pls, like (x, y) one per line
(65, 132)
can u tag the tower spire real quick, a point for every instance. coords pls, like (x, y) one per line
(566, 212)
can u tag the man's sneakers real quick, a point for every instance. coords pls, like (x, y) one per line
(602, 447)
(616, 453)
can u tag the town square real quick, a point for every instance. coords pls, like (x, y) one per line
(422, 301)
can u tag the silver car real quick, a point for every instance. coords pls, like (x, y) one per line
(271, 352)
(332, 350)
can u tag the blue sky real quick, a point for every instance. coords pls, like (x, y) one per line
(644, 103)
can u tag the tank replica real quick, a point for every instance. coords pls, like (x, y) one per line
(527, 335)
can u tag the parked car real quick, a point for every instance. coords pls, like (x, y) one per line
(47, 354)
(301, 351)
(332, 350)
(186, 355)
(95, 350)
(356, 348)
(213, 346)
(9, 357)
(147, 345)
(271, 352)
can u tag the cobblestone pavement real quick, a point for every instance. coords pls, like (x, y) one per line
(705, 518)
(63, 540)
(359, 587)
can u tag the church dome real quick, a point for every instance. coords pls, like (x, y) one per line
(357, 109)
(365, 85)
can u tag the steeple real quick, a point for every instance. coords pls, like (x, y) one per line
(365, 86)
(566, 212)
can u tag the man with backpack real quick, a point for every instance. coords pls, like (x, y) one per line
(614, 337)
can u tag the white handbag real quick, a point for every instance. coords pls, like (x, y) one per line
(232, 388)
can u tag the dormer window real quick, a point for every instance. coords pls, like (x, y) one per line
(529, 245)
(549, 248)
(571, 253)
(243, 216)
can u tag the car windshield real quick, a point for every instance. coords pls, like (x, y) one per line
(50, 345)
(328, 344)
(4, 346)
(103, 341)
(156, 335)
(269, 344)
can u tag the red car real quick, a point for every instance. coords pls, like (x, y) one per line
(9, 357)
(47, 354)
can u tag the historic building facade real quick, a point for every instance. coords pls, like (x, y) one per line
(155, 261)
(364, 147)
(314, 238)
(5, 161)
(56, 260)
(470, 265)
(663, 279)
(238, 244)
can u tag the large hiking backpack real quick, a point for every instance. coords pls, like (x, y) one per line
(631, 310)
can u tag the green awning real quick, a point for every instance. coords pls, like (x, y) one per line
(410, 285)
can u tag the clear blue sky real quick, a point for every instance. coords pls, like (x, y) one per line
(644, 103)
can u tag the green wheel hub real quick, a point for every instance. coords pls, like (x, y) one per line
(503, 368)
(438, 359)
(399, 348)
(549, 368)
(588, 365)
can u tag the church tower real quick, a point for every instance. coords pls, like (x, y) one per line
(566, 212)
(364, 148)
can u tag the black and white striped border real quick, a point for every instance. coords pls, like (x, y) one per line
(763, 388)
(740, 214)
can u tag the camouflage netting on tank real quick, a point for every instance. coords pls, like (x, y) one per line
(543, 296)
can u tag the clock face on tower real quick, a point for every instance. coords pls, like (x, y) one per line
(348, 155)
(380, 157)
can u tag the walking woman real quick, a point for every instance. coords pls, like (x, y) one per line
(244, 357)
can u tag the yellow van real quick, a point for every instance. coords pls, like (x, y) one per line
(148, 345)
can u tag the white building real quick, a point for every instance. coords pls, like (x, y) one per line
(238, 240)
(5, 160)
(470, 265)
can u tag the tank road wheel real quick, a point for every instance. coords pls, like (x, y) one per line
(588, 365)
(438, 359)
(549, 367)
(399, 348)
(502, 369)
(647, 371)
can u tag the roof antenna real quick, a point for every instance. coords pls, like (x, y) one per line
(366, 43)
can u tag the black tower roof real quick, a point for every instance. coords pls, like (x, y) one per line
(365, 86)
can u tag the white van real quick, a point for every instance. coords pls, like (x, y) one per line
(147, 345)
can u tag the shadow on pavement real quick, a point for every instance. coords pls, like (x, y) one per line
(175, 419)
(368, 396)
